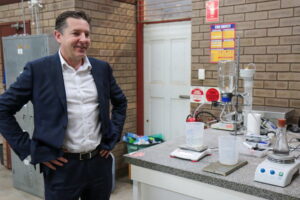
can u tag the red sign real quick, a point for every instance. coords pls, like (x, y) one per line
(212, 11)
(197, 94)
(212, 94)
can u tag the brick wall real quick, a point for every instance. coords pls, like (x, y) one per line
(270, 38)
(113, 40)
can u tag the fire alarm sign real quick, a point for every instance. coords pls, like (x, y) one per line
(212, 11)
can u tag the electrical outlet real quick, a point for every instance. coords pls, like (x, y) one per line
(201, 74)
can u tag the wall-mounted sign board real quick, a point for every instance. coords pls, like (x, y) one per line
(222, 42)
(212, 11)
(207, 95)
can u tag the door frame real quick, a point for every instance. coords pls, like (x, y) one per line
(140, 63)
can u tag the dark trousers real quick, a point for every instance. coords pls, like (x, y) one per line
(88, 179)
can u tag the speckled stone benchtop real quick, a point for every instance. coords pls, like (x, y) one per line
(157, 158)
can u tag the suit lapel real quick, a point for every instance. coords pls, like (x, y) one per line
(58, 80)
(98, 81)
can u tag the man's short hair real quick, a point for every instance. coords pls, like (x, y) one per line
(61, 24)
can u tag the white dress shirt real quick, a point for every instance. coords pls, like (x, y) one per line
(83, 130)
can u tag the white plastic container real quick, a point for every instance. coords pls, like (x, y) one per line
(253, 123)
(194, 132)
(228, 150)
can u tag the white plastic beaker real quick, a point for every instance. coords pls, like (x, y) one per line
(194, 133)
(228, 150)
(253, 123)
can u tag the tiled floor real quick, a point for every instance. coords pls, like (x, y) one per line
(123, 189)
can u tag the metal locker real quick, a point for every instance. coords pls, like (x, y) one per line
(18, 50)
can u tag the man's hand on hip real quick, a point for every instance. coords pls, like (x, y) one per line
(104, 153)
(53, 163)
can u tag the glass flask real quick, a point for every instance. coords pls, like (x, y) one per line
(227, 78)
(281, 146)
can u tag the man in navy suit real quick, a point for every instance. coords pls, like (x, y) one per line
(75, 129)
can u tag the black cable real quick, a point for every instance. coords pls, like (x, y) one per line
(198, 118)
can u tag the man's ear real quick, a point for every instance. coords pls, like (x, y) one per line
(57, 36)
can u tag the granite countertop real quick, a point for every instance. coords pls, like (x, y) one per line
(157, 158)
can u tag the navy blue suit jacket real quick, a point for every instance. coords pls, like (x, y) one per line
(42, 83)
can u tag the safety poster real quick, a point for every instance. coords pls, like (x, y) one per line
(222, 42)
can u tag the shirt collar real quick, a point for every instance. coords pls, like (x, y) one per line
(86, 64)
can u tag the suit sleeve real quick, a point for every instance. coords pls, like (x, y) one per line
(11, 102)
(118, 113)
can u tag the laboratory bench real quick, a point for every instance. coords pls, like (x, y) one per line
(156, 175)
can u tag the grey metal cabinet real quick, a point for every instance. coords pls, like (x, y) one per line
(18, 50)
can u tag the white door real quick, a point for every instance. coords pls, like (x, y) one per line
(167, 75)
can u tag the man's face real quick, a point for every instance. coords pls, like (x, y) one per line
(74, 39)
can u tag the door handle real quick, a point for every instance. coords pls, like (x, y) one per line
(184, 96)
